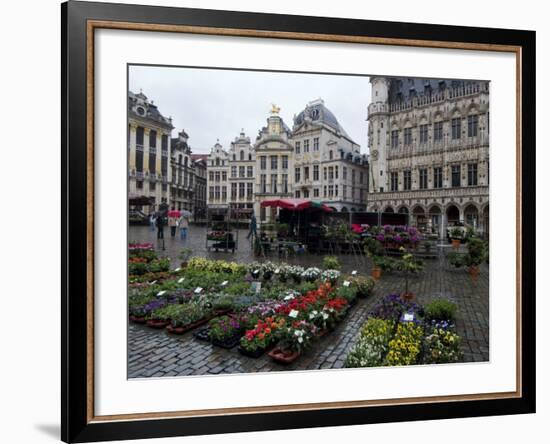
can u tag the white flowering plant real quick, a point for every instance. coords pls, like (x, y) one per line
(330, 276)
(296, 336)
(295, 272)
(322, 319)
(311, 274)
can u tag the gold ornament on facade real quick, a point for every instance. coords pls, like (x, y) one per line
(275, 109)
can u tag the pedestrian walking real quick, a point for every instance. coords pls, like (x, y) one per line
(183, 225)
(173, 217)
(159, 221)
(152, 221)
(253, 227)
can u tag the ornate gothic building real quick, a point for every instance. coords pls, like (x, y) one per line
(429, 151)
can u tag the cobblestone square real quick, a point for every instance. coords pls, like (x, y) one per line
(156, 353)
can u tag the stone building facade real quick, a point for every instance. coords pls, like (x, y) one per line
(328, 164)
(429, 151)
(182, 185)
(274, 164)
(217, 183)
(241, 170)
(199, 195)
(160, 168)
(148, 150)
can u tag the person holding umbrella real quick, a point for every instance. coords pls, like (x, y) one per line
(173, 217)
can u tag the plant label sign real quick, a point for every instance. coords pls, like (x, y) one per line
(354, 273)
(177, 269)
(346, 283)
(160, 293)
(180, 280)
(198, 290)
(224, 283)
(408, 317)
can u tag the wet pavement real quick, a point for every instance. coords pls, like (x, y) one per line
(154, 353)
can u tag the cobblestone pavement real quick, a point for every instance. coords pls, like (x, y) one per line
(154, 353)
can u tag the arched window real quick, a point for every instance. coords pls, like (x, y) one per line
(330, 155)
(217, 161)
(242, 155)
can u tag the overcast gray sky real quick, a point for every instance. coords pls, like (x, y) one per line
(211, 104)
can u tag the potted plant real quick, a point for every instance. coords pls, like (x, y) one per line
(184, 256)
(186, 317)
(293, 340)
(256, 341)
(330, 276)
(408, 264)
(331, 263)
(364, 285)
(456, 237)
(225, 331)
(477, 253)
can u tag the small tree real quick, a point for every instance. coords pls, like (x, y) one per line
(408, 264)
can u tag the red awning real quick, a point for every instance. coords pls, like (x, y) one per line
(296, 204)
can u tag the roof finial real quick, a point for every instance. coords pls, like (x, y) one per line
(275, 109)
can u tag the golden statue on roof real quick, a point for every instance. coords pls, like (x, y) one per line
(275, 109)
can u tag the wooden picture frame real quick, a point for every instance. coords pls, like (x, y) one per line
(79, 22)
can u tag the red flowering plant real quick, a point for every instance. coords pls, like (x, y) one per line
(313, 300)
(263, 335)
(336, 308)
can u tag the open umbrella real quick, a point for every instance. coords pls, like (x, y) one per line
(174, 213)
(186, 213)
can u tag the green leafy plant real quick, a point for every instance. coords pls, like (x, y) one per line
(456, 233)
(331, 263)
(363, 285)
(440, 310)
(408, 264)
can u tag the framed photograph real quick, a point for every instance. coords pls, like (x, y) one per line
(275, 221)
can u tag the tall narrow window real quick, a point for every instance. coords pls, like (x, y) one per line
(315, 172)
(274, 183)
(472, 126)
(285, 162)
(263, 162)
(284, 182)
(315, 144)
(407, 139)
(455, 128)
(472, 174)
(394, 138)
(393, 181)
(263, 183)
(306, 146)
(438, 177)
(438, 131)
(297, 174)
(249, 171)
(407, 179)
(455, 176)
(423, 133)
(297, 147)
(274, 162)
(139, 137)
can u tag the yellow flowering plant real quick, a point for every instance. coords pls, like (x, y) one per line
(405, 347)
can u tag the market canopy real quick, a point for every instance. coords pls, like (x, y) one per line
(296, 204)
